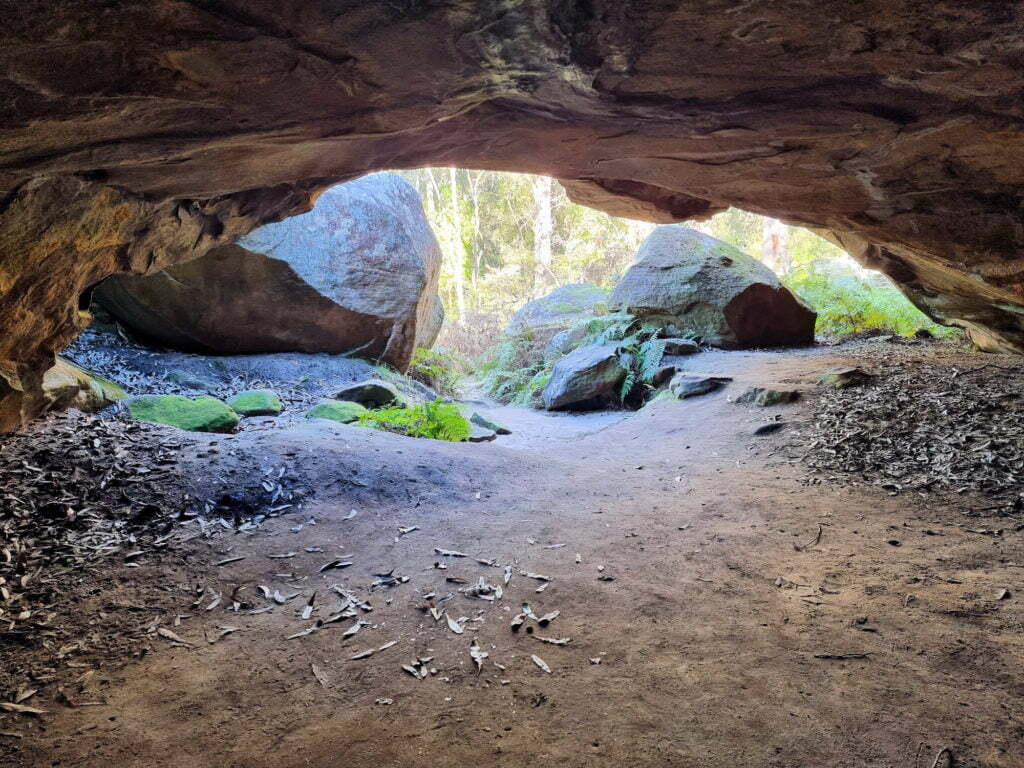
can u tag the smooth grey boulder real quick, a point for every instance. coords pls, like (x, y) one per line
(679, 347)
(356, 274)
(373, 393)
(587, 378)
(557, 310)
(684, 385)
(686, 282)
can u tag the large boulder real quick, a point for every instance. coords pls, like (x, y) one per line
(358, 273)
(587, 378)
(556, 311)
(690, 283)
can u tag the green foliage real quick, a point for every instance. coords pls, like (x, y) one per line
(437, 420)
(488, 238)
(641, 356)
(438, 368)
(848, 303)
(516, 372)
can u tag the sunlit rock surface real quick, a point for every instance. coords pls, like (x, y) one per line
(686, 282)
(358, 274)
(136, 135)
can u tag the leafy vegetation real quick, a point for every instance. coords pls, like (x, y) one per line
(437, 420)
(849, 303)
(517, 371)
(439, 369)
(847, 298)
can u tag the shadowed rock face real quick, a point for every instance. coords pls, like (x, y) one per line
(358, 273)
(894, 125)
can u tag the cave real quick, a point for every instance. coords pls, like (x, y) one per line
(747, 573)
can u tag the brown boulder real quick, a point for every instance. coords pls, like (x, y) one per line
(687, 282)
(358, 273)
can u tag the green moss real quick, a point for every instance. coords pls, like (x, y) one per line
(343, 411)
(256, 402)
(111, 390)
(203, 414)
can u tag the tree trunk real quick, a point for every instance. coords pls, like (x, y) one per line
(458, 250)
(542, 231)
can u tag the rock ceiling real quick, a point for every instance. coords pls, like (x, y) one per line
(134, 134)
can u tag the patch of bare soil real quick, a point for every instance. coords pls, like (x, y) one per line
(719, 603)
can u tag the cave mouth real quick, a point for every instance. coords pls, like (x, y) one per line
(442, 540)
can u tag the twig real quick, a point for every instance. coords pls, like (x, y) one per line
(811, 543)
(944, 750)
(843, 656)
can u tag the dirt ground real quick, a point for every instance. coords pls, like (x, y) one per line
(681, 551)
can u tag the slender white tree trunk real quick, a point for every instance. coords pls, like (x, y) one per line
(542, 231)
(458, 251)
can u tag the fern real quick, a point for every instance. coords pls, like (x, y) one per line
(649, 356)
(437, 420)
(516, 372)
(437, 368)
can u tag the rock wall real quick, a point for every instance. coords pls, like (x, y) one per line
(895, 125)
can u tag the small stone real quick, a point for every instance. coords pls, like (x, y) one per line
(478, 434)
(677, 347)
(190, 381)
(256, 402)
(487, 422)
(684, 385)
(342, 411)
(203, 414)
(841, 378)
(765, 397)
(372, 393)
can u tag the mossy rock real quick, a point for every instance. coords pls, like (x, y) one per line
(372, 393)
(343, 411)
(203, 414)
(190, 380)
(485, 421)
(66, 385)
(256, 402)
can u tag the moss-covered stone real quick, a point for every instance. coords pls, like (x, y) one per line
(256, 402)
(68, 386)
(485, 421)
(203, 414)
(372, 393)
(343, 411)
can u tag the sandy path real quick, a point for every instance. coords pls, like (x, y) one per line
(708, 632)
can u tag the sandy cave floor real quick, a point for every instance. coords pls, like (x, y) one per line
(720, 623)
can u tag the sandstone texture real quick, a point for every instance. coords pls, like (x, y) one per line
(139, 135)
(358, 273)
(684, 281)
(586, 379)
(555, 311)
(66, 385)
